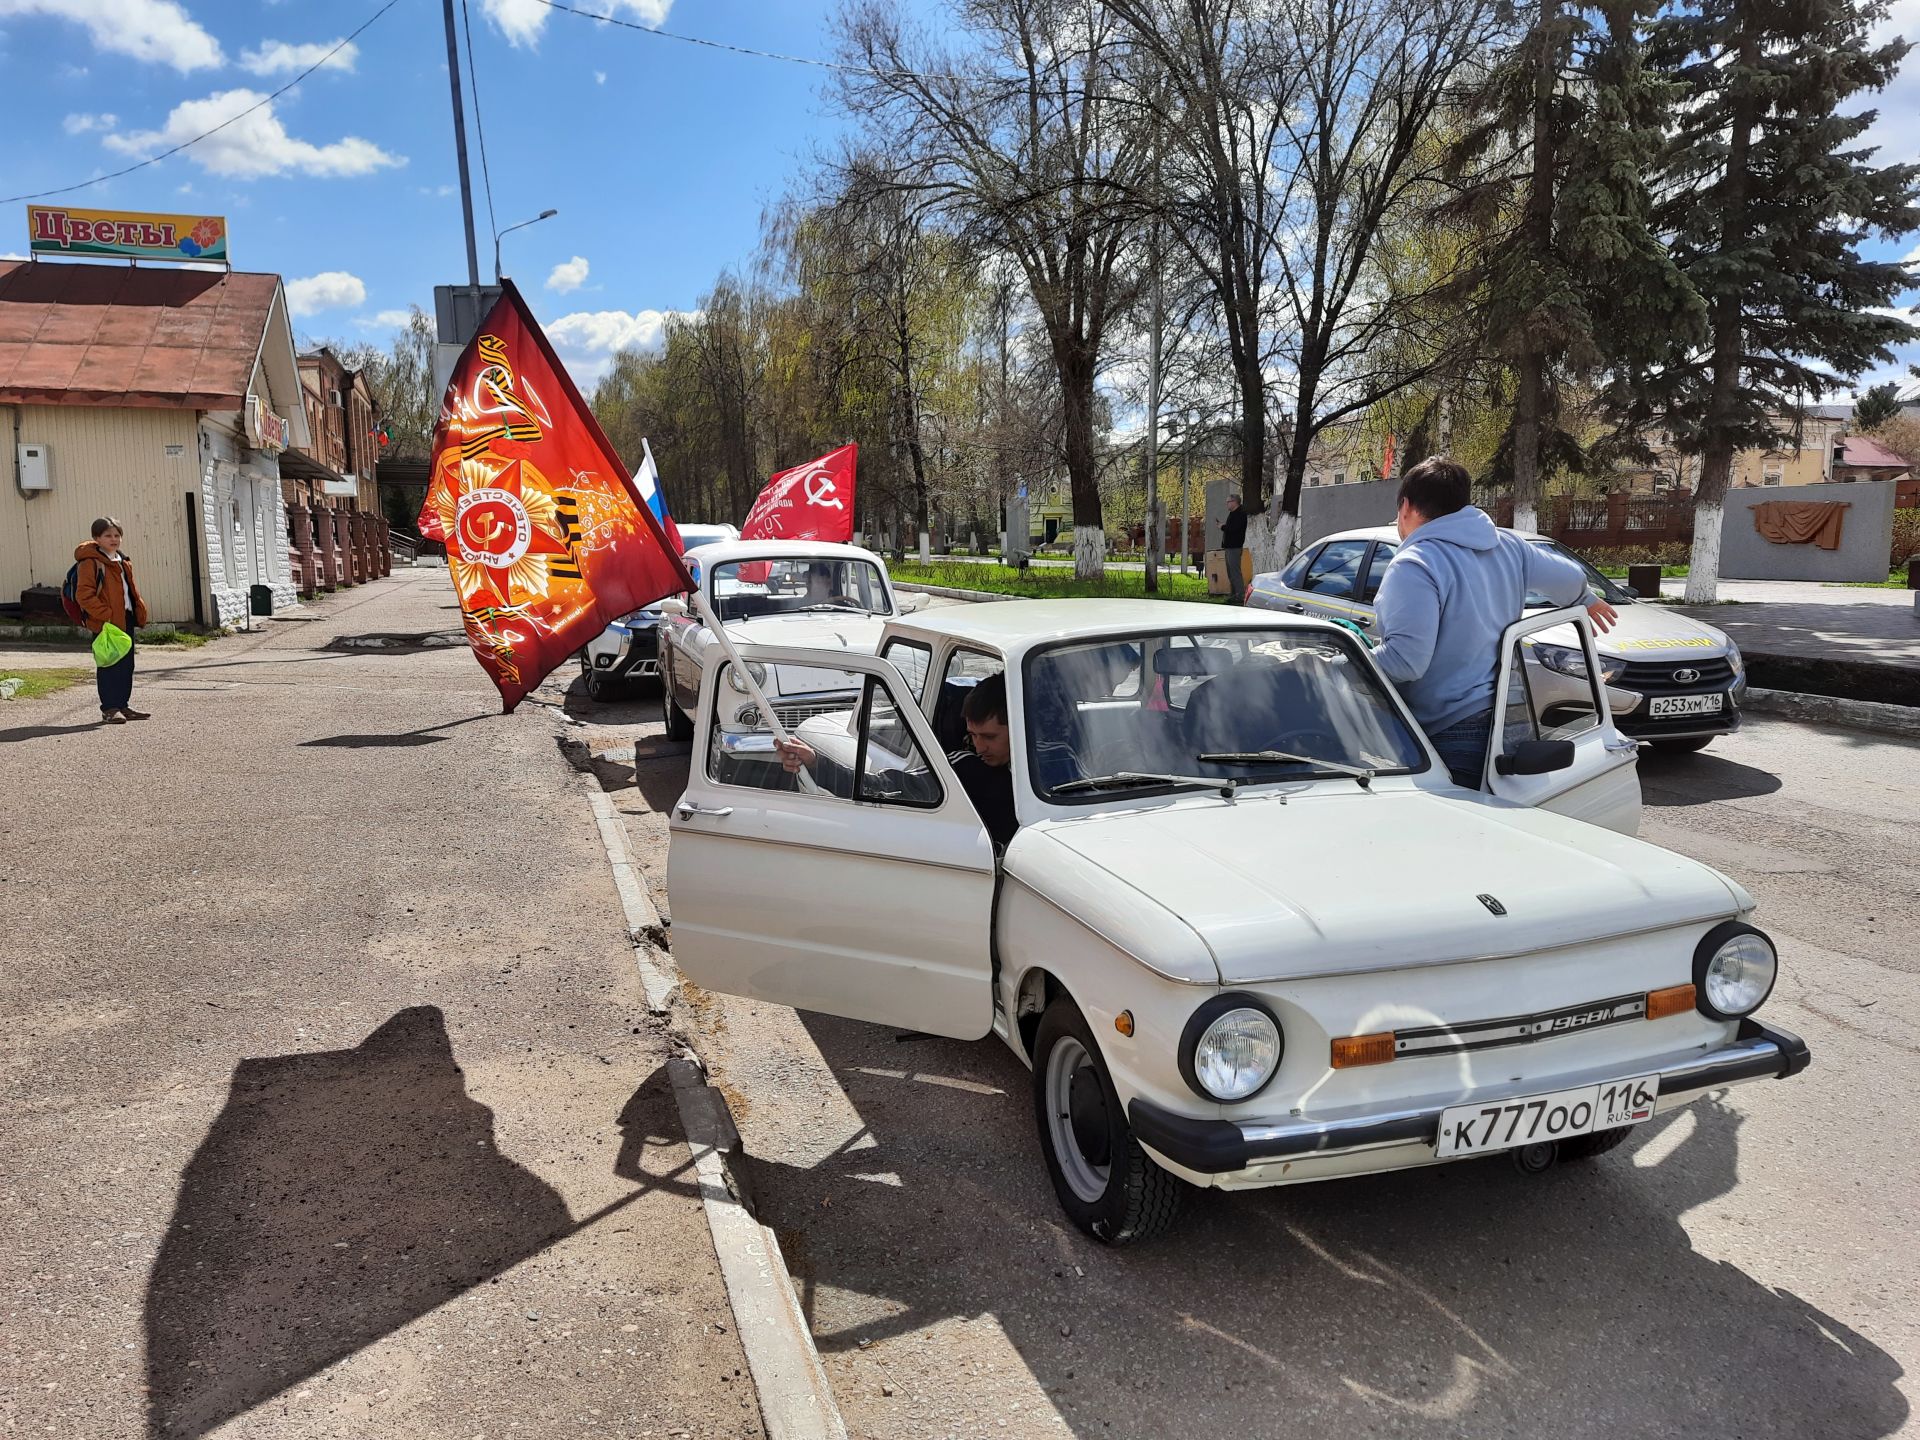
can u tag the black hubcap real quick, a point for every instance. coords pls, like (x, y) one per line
(1087, 1107)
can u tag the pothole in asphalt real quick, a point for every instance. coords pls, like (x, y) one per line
(430, 640)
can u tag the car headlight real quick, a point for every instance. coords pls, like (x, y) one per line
(1230, 1048)
(1733, 659)
(1568, 660)
(754, 668)
(1734, 968)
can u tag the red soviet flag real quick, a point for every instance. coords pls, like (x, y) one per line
(813, 501)
(547, 540)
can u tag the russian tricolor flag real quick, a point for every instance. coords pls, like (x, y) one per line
(647, 481)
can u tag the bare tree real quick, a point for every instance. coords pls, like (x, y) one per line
(1032, 143)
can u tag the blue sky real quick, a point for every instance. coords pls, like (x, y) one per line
(659, 156)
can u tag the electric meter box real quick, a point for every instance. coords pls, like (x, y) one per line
(34, 471)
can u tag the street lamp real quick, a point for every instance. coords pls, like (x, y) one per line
(543, 215)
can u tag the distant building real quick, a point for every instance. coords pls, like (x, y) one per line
(343, 416)
(165, 398)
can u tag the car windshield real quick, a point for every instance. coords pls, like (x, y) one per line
(751, 589)
(1165, 711)
(1598, 585)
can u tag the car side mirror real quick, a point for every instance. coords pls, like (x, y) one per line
(672, 605)
(1535, 757)
(910, 604)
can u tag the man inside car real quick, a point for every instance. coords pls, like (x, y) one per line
(985, 772)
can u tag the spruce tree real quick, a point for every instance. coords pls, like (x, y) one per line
(1765, 203)
(1571, 286)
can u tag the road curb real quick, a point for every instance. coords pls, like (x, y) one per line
(796, 1400)
(948, 592)
(1902, 720)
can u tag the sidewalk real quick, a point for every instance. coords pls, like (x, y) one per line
(1830, 639)
(328, 1100)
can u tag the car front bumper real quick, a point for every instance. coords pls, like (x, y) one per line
(625, 651)
(1236, 1154)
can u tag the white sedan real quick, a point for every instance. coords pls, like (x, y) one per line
(776, 592)
(1248, 932)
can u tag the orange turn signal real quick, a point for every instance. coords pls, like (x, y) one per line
(1351, 1050)
(1674, 1000)
(1123, 1022)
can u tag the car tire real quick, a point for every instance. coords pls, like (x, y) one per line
(1683, 747)
(598, 690)
(678, 724)
(1127, 1197)
(1586, 1147)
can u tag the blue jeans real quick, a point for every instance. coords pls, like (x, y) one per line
(115, 682)
(1463, 748)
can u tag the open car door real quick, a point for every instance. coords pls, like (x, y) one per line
(1554, 746)
(867, 894)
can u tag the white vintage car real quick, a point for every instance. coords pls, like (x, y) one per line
(1248, 932)
(777, 592)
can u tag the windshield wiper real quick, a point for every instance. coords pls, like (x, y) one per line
(1282, 757)
(1122, 779)
(846, 605)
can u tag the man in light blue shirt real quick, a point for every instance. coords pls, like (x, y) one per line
(1455, 585)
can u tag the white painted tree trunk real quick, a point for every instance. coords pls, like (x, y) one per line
(1089, 552)
(926, 547)
(1703, 570)
(1286, 539)
(1525, 517)
(1260, 542)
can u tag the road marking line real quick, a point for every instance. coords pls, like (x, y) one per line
(796, 1400)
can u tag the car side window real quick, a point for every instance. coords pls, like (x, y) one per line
(1297, 570)
(912, 660)
(964, 670)
(1544, 705)
(1336, 569)
(1383, 552)
(865, 752)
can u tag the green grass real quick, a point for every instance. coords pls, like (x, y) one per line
(187, 639)
(1619, 572)
(1054, 584)
(1896, 581)
(45, 681)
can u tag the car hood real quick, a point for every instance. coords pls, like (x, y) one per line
(1648, 632)
(859, 634)
(1335, 882)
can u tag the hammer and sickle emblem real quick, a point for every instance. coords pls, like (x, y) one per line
(819, 485)
(494, 528)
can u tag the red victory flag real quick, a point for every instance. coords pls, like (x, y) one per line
(547, 539)
(813, 501)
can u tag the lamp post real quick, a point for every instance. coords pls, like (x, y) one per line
(543, 215)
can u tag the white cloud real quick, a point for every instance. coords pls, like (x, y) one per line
(392, 318)
(253, 146)
(156, 30)
(329, 290)
(440, 192)
(522, 21)
(599, 77)
(82, 124)
(278, 57)
(568, 275)
(587, 340)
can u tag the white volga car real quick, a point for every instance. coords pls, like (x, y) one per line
(1671, 680)
(628, 650)
(1248, 932)
(777, 592)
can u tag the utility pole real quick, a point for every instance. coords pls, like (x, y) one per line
(1186, 505)
(460, 147)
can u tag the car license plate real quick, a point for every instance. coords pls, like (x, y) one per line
(1530, 1119)
(1663, 707)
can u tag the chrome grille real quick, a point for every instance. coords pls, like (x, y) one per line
(1656, 677)
(792, 712)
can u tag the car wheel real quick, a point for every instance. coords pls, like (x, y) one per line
(1585, 1147)
(597, 688)
(1106, 1183)
(678, 724)
(1683, 747)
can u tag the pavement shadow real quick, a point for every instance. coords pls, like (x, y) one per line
(338, 1196)
(42, 732)
(1700, 779)
(425, 735)
(1450, 1301)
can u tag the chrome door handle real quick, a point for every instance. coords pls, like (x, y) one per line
(1364, 622)
(686, 810)
(1623, 745)
(1296, 607)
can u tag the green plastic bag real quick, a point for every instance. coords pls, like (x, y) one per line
(111, 645)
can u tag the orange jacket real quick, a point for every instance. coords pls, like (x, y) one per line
(102, 588)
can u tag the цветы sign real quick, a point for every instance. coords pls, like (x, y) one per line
(57, 230)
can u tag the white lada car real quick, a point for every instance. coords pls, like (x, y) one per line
(1670, 679)
(1248, 932)
(777, 592)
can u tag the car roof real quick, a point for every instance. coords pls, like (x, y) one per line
(1391, 532)
(719, 552)
(1014, 626)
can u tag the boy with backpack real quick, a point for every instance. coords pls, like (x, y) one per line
(99, 591)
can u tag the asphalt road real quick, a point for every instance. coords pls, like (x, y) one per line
(1742, 1268)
